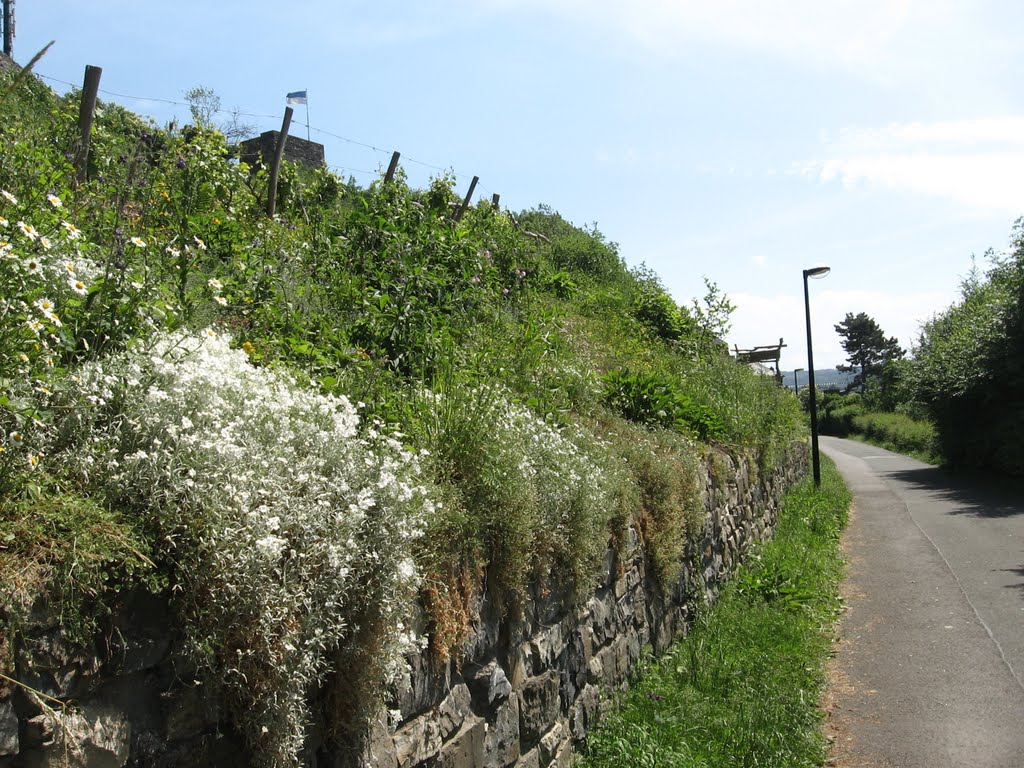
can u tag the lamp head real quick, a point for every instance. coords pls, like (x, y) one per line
(817, 272)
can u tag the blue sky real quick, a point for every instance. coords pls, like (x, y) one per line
(740, 140)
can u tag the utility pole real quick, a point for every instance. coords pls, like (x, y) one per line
(9, 27)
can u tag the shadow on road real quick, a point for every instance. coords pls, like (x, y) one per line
(1020, 572)
(971, 494)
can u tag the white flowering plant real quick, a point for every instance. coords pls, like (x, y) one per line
(527, 498)
(278, 516)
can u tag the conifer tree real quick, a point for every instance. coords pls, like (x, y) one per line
(867, 348)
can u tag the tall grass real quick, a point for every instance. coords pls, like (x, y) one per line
(742, 688)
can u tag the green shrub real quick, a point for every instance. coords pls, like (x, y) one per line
(839, 421)
(655, 400)
(897, 432)
(967, 369)
(662, 316)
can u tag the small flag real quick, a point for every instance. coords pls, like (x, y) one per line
(297, 97)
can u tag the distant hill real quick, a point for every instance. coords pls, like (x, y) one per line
(824, 378)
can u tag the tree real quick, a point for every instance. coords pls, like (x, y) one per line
(205, 105)
(867, 348)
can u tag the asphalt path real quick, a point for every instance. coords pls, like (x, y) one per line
(930, 661)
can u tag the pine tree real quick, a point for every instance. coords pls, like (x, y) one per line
(866, 346)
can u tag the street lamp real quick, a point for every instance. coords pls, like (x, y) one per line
(816, 272)
(796, 388)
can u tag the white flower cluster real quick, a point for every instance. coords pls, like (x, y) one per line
(558, 480)
(284, 520)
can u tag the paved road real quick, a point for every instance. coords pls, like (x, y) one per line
(930, 663)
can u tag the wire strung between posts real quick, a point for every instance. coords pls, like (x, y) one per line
(273, 117)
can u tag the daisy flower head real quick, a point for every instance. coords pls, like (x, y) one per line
(69, 267)
(28, 230)
(33, 266)
(78, 287)
(54, 201)
(221, 300)
(173, 251)
(214, 283)
(45, 242)
(9, 197)
(3, 222)
(138, 242)
(210, 333)
(44, 305)
(73, 232)
(199, 243)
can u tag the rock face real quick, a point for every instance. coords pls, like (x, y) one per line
(525, 693)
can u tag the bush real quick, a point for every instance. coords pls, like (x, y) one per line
(967, 368)
(655, 400)
(897, 432)
(279, 523)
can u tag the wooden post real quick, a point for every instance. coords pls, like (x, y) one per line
(390, 175)
(494, 200)
(9, 27)
(275, 167)
(86, 113)
(465, 201)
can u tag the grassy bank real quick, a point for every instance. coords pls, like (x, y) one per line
(742, 688)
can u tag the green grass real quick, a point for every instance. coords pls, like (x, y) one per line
(742, 689)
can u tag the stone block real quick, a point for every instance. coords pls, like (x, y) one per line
(585, 712)
(501, 744)
(520, 665)
(552, 741)
(530, 760)
(548, 645)
(563, 758)
(380, 746)
(538, 707)
(430, 679)
(465, 749)
(8, 729)
(86, 738)
(488, 683)
(422, 738)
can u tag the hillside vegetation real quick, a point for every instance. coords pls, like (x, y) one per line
(295, 427)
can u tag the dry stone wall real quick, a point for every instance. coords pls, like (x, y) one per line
(524, 693)
(532, 688)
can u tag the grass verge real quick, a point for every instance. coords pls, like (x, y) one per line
(742, 688)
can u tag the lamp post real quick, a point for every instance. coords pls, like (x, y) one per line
(816, 272)
(796, 387)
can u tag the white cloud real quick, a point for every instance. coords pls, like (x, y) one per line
(881, 40)
(976, 163)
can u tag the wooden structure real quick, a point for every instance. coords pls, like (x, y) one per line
(760, 357)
